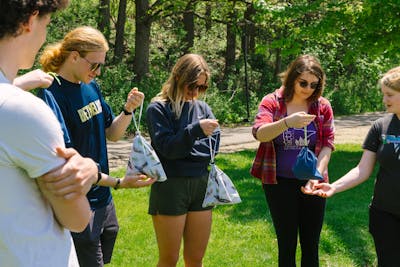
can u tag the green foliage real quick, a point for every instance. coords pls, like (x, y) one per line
(356, 41)
(243, 234)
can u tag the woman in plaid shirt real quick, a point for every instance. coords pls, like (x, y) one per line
(279, 126)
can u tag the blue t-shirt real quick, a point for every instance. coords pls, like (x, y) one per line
(86, 116)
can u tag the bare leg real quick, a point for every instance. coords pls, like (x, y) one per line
(169, 232)
(196, 235)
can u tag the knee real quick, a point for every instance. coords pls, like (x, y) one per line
(193, 260)
(168, 260)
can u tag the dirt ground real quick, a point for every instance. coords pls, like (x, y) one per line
(349, 129)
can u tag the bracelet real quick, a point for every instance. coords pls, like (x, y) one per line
(284, 120)
(117, 184)
(98, 173)
(126, 112)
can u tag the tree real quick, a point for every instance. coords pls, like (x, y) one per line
(104, 18)
(119, 47)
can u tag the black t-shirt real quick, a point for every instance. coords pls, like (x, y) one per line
(384, 139)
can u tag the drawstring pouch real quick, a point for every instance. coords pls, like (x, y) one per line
(143, 159)
(220, 189)
(305, 167)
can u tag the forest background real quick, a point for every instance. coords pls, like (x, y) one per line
(246, 43)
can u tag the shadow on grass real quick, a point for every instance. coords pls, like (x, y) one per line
(346, 219)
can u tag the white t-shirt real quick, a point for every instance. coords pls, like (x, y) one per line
(29, 134)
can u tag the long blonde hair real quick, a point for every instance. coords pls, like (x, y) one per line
(186, 71)
(82, 39)
(391, 79)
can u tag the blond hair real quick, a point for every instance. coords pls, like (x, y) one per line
(82, 39)
(391, 79)
(186, 71)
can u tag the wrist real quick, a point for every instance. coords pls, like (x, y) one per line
(125, 111)
(98, 173)
(285, 122)
(117, 184)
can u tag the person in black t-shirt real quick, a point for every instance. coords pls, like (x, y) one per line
(382, 146)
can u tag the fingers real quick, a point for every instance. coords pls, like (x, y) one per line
(134, 99)
(136, 181)
(299, 119)
(66, 153)
(208, 126)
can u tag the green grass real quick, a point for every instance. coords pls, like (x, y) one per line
(243, 235)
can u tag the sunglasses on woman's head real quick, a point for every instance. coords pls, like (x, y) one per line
(304, 84)
(93, 66)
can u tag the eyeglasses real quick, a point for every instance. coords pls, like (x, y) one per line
(93, 66)
(304, 84)
(200, 87)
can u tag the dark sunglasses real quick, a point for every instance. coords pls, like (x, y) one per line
(201, 87)
(93, 66)
(304, 84)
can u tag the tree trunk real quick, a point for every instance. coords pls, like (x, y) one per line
(230, 52)
(249, 29)
(104, 18)
(142, 40)
(120, 32)
(188, 24)
(208, 17)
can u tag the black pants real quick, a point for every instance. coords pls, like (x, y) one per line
(294, 213)
(94, 246)
(385, 229)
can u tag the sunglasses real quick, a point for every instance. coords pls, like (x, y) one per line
(200, 87)
(304, 84)
(93, 66)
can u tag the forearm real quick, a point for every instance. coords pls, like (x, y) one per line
(323, 159)
(269, 131)
(107, 180)
(351, 179)
(118, 127)
(73, 214)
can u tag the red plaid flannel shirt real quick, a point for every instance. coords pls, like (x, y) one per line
(273, 108)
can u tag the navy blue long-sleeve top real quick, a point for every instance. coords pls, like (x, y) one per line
(180, 143)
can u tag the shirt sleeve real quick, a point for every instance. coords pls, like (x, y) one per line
(372, 140)
(265, 113)
(49, 99)
(328, 127)
(32, 134)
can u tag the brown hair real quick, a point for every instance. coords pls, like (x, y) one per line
(82, 39)
(13, 14)
(186, 71)
(304, 63)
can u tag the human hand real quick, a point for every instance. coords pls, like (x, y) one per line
(319, 189)
(136, 181)
(72, 179)
(33, 79)
(134, 99)
(309, 187)
(299, 119)
(208, 126)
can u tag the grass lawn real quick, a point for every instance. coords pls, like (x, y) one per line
(243, 235)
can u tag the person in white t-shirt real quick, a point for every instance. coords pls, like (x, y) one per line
(43, 184)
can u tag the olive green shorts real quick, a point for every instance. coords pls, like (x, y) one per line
(177, 196)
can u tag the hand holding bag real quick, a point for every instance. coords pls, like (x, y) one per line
(305, 167)
(143, 159)
(220, 189)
